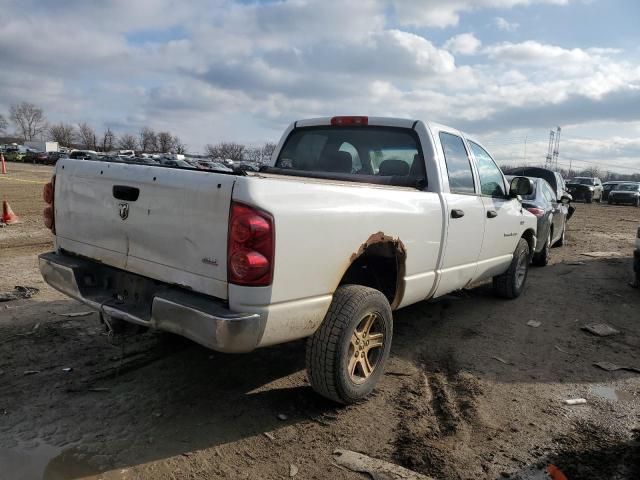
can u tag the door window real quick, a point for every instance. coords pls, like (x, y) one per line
(491, 179)
(458, 164)
(548, 193)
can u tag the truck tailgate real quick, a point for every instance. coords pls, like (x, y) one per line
(164, 223)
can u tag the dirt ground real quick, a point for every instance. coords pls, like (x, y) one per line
(471, 392)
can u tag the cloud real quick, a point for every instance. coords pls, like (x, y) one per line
(435, 13)
(505, 25)
(464, 44)
(242, 71)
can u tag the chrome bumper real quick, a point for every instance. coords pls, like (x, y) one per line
(136, 299)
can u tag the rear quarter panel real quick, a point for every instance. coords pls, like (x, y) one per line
(319, 227)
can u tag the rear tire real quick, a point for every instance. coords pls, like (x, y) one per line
(511, 283)
(346, 356)
(541, 259)
(561, 240)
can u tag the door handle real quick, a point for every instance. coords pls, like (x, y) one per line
(128, 194)
(492, 214)
(457, 213)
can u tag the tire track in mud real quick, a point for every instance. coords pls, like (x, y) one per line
(438, 411)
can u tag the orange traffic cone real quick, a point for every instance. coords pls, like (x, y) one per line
(8, 216)
(4, 165)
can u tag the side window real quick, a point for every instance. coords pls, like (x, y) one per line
(355, 158)
(458, 165)
(548, 193)
(491, 179)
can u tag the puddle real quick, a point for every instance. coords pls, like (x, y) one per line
(610, 393)
(42, 462)
(26, 464)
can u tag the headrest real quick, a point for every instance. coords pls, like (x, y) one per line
(339, 162)
(393, 168)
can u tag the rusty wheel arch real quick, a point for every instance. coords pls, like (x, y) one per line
(376, 260)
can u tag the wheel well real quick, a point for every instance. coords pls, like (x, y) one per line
(379, 264)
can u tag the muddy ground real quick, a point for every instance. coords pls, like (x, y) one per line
(471, 392)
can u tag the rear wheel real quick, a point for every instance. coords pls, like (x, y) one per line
(511, 283)
(346, 356)
(541, 258)
(561, 240)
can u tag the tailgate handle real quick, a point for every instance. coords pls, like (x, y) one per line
(128, 194)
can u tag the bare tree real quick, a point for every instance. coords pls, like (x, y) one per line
(3, 123)
(148, 140)
(267, 150)
(261, 154)
(234, 151)
(127, 142)
(87, 136)
(166, 142)
(178, 146)
(253, 154)
(108, 140)
(63, 133)
(28, 119)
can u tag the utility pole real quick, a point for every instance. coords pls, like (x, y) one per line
(549, 160)
(556, 149)
(524, 157)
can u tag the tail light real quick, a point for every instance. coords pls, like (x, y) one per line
(251, 246)
(48, 214)
(349, 121)
(538, 212)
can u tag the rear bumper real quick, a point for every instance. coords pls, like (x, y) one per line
(136, 299)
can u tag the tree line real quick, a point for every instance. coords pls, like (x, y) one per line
(31, 124)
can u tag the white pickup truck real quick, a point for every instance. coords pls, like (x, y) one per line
(354, 217)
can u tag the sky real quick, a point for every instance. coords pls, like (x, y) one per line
(505, 71)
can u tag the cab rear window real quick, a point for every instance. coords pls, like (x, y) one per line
(365, 153)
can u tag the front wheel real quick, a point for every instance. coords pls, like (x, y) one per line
(346, 356)
(511, 283)
(589, 198)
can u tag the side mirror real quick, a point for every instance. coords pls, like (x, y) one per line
(520, 186)
(565, 200)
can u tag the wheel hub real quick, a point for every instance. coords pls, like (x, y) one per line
(367, 342)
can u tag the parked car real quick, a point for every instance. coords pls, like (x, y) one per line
(552, 215)
(175, 163)
(585, 188)
(554, 179)
(203, 164)
(83, 154)
(36, 157)
(607, 187)
(636, 260)
(625, 193)
(355, 217)
(14, 153)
